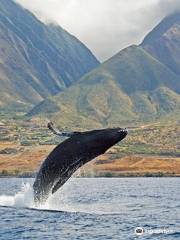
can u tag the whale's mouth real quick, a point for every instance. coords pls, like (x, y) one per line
(122, 133)
(123, 130)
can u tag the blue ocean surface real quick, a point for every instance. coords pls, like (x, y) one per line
(92, 208)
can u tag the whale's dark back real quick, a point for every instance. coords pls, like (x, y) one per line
(71, 154)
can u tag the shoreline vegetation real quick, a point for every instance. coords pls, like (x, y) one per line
(150, 150)
(102, 175)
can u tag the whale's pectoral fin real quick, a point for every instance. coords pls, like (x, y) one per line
(64, 177)
(59, 133)
(59, 184)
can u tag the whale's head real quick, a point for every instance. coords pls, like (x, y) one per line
(114, 135)
(102, 139)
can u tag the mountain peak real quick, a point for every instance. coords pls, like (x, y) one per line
(37, 60)
(163, 42)
(162, 28)
(129, 86)
(135, 84)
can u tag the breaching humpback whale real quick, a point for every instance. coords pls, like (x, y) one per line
(78, 149)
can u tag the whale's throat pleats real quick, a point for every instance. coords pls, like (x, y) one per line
(67, 174)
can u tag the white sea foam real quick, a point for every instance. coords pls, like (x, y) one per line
(23, 198)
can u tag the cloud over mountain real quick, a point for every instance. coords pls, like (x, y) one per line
(104, 26)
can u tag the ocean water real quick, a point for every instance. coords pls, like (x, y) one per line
(94, 208)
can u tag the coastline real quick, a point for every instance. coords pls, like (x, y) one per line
(101, 175)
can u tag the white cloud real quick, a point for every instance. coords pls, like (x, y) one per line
(105, 26)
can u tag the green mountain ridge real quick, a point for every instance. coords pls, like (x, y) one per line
(130, 87)
(163, 42)
(36, 60)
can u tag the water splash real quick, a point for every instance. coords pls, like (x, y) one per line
(24, 198)
(72, 197)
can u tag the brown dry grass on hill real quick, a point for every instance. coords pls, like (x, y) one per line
(28, 159)
(141, 164)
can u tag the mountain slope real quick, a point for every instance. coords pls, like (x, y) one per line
(163, 42)
(131, 86)
(36, 60)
